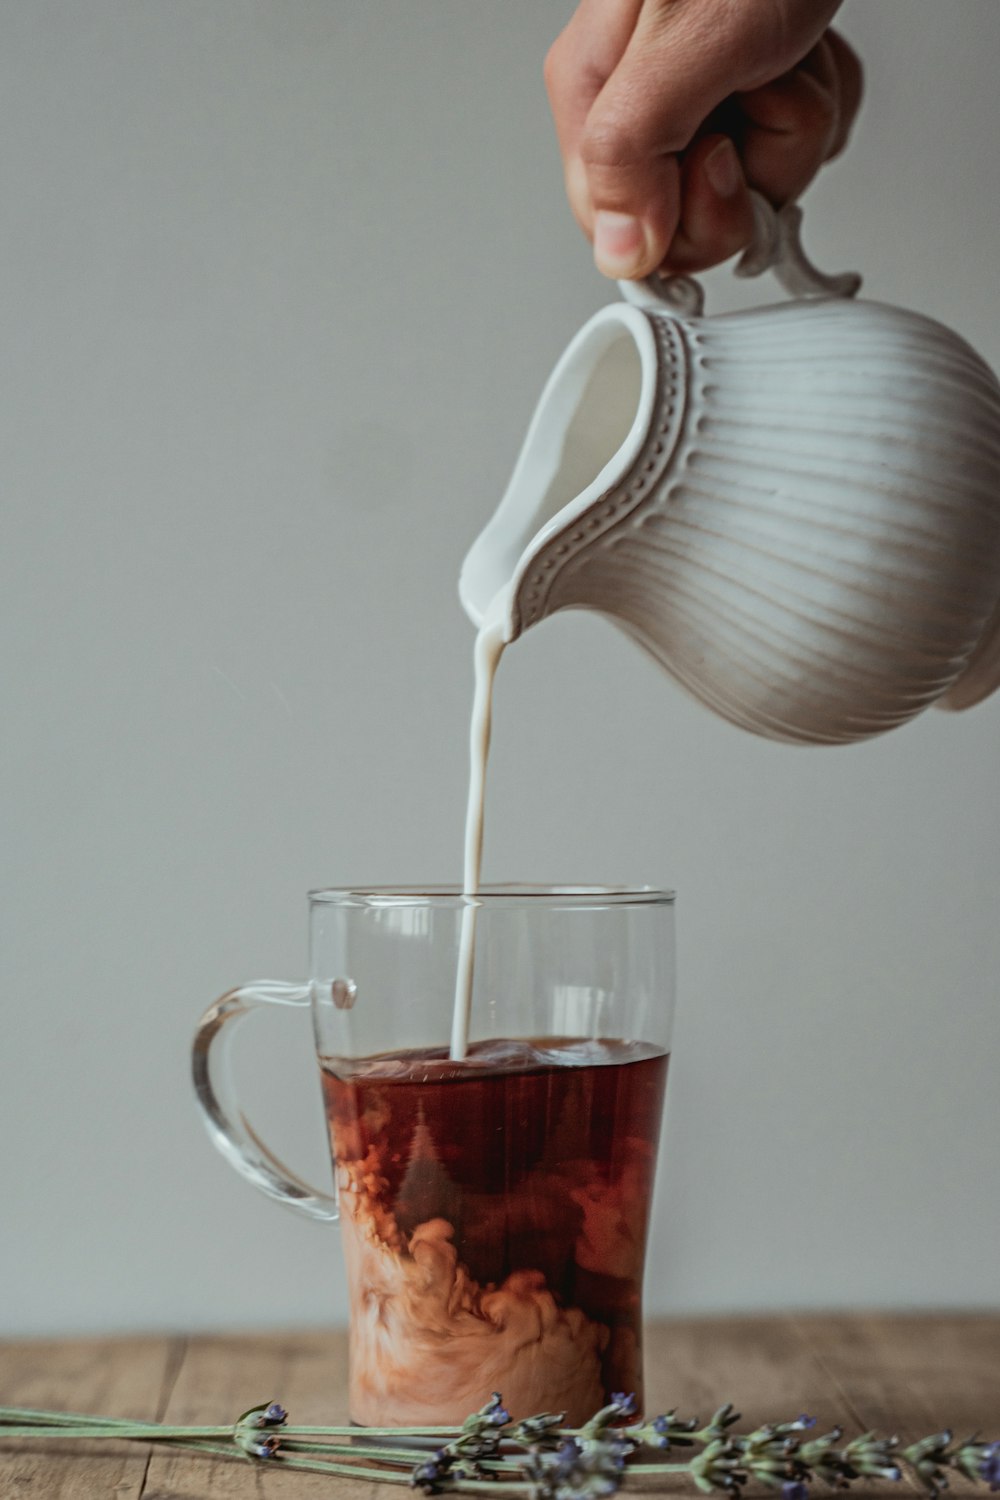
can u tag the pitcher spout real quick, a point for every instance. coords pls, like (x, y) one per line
(589, 425)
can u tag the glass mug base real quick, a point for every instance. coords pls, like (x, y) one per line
(494, 1208)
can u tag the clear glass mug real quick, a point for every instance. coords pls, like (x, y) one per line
(494, 1210)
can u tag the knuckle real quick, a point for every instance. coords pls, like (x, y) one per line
(608, 141)
(825, 108)
(809, 115)
(552, 67)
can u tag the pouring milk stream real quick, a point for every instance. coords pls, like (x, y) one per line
(794, 509)
(486, 658)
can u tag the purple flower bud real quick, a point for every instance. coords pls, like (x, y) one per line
(794, 1489)
(428, 1475)
(495, 1411)
(275, 1415)
(617, 1456)
(625, 1403)
(990, 1469)
(804, 1421)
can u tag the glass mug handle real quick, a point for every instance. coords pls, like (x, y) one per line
(228, 1127)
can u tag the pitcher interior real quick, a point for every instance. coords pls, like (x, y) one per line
(589, 423)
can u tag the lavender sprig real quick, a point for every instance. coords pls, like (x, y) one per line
(539, 1458)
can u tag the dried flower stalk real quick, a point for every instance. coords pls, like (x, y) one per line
(539, 1458)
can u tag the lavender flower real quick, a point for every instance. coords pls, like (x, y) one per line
(432, 1475)
(462, 1458)
(541, 1431)
(989, 1468)
(871, 1457)
(626, 1404)
(664, 1431)
(495, 1411)
(769, 1454)
(481, 1434)
(722, 1420)
(973, 1458)
(718, 1467)
(929, 1458)
(618, 1408)
(255, 1446)
(247, 1430)
(653, 1434)
(580, 1467)
(794, 1489)
(267, 1414)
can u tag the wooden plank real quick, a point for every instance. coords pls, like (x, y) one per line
(912, 1376)
(760, 1364)
(937, 1370)
(112, 1377)
(220, 1378)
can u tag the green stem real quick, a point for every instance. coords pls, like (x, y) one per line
(123, 1431)
(25, 1417)
(408, 1456)
(59, 1418)
(140, 1432)
(63, 1431)
(22, 1415)
(392, 1432)
(640, 1470)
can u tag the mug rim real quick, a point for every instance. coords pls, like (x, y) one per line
(502, 894)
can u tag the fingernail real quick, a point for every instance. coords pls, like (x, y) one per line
(619, 243)
(723, 170)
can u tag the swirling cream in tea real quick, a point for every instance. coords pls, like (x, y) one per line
(494, 1214)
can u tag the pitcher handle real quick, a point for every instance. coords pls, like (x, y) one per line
(776, 246)
(228, 1127)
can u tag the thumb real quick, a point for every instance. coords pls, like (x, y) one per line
(674, 71)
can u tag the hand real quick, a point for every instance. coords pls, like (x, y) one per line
(668, 110)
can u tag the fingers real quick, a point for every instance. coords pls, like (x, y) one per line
(716, 218)
(851, 87)
(628, 82)
(800, 120)
(640, 91)
(789, 133)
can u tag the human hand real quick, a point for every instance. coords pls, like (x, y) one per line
(667, 111)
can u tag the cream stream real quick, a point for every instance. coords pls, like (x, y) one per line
(489, 648)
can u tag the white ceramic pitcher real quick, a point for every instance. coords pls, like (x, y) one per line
(795, 509)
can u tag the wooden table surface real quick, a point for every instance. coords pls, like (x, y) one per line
(904, 1375)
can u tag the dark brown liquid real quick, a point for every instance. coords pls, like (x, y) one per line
(531, 1164)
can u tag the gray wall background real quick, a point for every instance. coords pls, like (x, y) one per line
(280, 283)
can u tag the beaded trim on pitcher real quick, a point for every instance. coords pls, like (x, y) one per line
(613, 507)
